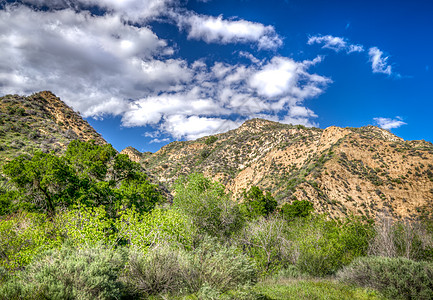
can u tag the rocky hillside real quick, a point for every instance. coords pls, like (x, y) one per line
(341, 170)
(40, 121)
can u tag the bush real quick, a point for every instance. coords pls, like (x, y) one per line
(85, 226)
(25, 235)
(69, 273)
(221, 267)
(161, 270)
(266, 241)
(148, 229)
(211, 269)
(298, 209)
(256, 203)
(208, 206)
(405, 239)
(322, 247)
(398, 278)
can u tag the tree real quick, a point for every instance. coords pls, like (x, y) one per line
(298, 209)
(257, 204)
(90, 159)
(45, 180)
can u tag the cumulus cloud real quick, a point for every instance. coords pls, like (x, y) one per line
(132, 10)
(388, 123)
(379, 63)
(94, 62)
(218, 30)
(102, 64)
(335, 43)
(220, 97)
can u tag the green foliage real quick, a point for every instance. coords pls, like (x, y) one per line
(136, 191)
(324, 246)
(266, 242)
(90, 159)
(69, 273)
(221, 267)
(87, 174)
(161, 270)
(210, 140)
(45, 180)
(297, 209)
(144, 230)
(257, 204)
(24, 235)
(396, 278)
(85, 226)
(313, 289)
(207, 205)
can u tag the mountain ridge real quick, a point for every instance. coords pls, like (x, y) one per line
(342, 171)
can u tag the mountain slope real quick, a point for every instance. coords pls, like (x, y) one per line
(40, 121)
(341, 170)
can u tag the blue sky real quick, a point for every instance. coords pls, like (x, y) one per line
(147, 72)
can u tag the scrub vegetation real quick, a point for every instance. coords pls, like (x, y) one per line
(88, 224)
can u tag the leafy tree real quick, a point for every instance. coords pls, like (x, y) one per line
(88, 173)
(298, 209)
(90, 159)
(136, 191)
(257, 204)
(45, 180)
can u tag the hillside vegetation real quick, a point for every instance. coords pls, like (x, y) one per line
(342, 171)
(85, 222)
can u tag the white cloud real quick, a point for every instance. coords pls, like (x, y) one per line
(95, 63)
(132, 10)
(103, 65)
(379, 63)
(194, 127)
(388, 123)
(335, 43)
(237, 92)
(218, 30)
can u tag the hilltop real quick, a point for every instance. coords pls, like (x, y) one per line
(340, 170)
(40, 122)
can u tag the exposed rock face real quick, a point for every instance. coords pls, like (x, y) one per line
(133, 154)
(341, 170)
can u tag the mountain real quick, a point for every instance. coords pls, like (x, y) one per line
(40, 122)
(340, 170)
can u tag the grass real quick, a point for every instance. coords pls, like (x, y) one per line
(297, 289)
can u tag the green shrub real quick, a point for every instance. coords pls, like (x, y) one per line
(210, 140)
(24, 235)
(266, 241)
(221, 267)
(148, 229)
(398, 278)
(69, 273)
(297, 209)
(161, 270)
(85, 226)
(207, 205)
(323, 246)
(256, 203)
